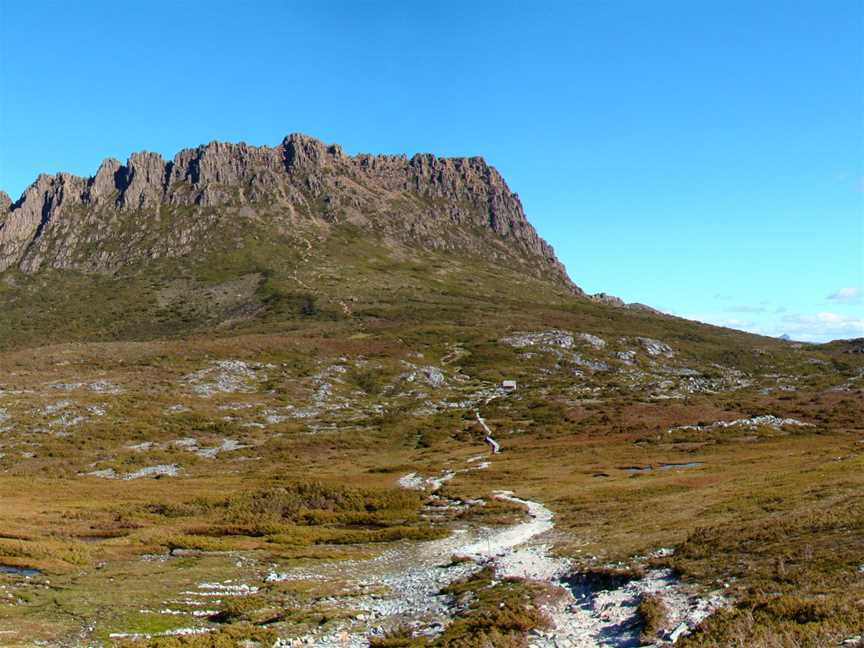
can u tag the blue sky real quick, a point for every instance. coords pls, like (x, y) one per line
(706, 158)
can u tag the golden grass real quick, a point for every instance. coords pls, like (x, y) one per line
(773, 514)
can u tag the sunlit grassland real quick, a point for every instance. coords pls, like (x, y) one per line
(771, 517)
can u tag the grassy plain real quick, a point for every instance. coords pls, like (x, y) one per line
(312, 366)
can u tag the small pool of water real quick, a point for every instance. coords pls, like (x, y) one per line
(20, 571)
(689, 464)
(636, 469)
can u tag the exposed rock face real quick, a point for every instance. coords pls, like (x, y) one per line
(64, 221)
(609, 300)
(143, 181)
(617, 302)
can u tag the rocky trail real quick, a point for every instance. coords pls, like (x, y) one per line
(401, 588)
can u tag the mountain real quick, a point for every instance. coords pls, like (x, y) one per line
(278, 396)
(152, 209)
(226, 233)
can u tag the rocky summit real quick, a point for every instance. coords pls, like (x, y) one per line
(151, 208)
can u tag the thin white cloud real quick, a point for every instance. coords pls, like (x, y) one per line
(806, 327)
(823, 327)
(849, 294)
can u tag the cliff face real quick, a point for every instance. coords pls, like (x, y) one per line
(150, 208)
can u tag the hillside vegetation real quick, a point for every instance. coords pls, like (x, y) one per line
(200, 422)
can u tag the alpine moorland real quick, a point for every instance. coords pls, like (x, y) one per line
(285, 396)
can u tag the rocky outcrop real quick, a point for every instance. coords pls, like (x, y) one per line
(105, 186)
(143, 181)
(617, 302)
(609, 300)
(64, 221)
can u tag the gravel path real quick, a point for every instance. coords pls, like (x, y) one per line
(401, 587)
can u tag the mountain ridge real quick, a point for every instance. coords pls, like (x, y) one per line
(423, 198)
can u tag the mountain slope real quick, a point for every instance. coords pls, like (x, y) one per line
(227, 235)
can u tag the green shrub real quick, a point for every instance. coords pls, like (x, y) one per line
(653, 613)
